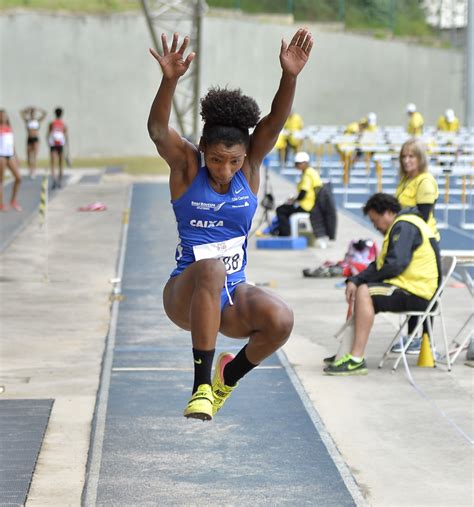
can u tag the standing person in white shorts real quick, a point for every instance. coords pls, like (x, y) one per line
(8, 159)
(57, 140)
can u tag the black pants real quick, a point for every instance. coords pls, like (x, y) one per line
(387, 298)
(284, 213)
(413, 321)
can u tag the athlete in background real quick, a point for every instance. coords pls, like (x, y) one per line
(8, 159)
(32, 116)
(58, 141)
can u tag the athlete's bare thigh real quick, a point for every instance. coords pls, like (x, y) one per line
(178, 291)
(253, 310)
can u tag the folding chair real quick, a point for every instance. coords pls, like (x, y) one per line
(458, 343)
(434, 309)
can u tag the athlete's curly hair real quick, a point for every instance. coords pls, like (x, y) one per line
(228, 115)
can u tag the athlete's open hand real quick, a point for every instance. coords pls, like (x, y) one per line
(172, 62)
(293, 57)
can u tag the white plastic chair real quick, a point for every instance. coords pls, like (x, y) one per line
(295, 220)
(434, 309)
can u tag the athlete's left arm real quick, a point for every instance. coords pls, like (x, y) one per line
(293, 58)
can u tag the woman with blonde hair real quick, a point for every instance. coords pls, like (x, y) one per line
(418, 189)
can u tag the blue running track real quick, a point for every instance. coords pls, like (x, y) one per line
(263, 448)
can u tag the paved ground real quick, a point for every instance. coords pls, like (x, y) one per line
(401, 447)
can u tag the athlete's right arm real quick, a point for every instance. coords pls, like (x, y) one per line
(170, 145)
(23, 113)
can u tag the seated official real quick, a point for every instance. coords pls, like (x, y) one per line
(404, 277)
(307, 187)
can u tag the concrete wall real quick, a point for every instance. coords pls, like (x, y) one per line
(98, 68)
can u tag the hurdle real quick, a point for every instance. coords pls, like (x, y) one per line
(448, 172)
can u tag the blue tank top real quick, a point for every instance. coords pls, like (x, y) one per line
(213, 225)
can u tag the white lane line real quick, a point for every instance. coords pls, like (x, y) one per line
(89, 493)
(158, 368)
(326, 438)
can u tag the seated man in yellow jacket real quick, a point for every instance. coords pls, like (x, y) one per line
(307, 187)
(404, 276)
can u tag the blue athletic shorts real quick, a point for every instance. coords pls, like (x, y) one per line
(231, 289)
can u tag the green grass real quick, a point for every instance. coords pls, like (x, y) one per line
(131, 165)
(74, 5)
(381, 18)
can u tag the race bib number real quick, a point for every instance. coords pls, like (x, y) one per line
(230, 252)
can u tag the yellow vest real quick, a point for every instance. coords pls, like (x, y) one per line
(415, 124)
(421, 275)
(309, 181)
(445, 126)
(294, 122)
(352, 128)
(409, 194)
(372, 128)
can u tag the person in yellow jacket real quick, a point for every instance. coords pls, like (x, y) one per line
(448, 122)
(416, 188)
(347, 150)
(308, 186)
(289, 138)
(416, 121)
(405, 276)
(356, 127)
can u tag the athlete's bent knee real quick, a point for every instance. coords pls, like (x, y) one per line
(210, 272)
(279, 322)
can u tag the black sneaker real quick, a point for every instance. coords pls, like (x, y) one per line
(330, 359)
(347, 366)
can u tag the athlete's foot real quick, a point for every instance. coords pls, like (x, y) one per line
(14, 205)
(219, 390)
(200, 404)
(3, 207)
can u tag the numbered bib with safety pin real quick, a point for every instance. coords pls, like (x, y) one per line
(231, 252)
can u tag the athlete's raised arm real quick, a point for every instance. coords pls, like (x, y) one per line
(170, 145)
(293, 58)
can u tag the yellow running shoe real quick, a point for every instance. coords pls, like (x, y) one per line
(220, 391)
(200, 406)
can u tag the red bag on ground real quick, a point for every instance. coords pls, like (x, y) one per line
(358, 256)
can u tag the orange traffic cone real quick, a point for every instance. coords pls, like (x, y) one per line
(425, 358)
